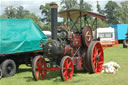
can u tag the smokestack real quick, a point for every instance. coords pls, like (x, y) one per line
(54, 21)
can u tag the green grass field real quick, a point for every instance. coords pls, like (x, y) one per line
(119, 55)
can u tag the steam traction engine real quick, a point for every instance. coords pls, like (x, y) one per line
(68, 51)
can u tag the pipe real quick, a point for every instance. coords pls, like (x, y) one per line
(54, 20)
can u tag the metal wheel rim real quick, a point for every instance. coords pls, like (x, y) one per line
(66, 65)
(88, 36)
(97, 57)
(40, 69)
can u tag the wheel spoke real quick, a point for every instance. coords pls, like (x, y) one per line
(94, 58)
(39, 61)
(100, 54)
(65, 72)
(39, 75)
(100, 62)
(66, 76)
(69, 64)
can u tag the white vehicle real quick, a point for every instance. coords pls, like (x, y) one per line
(47, 33)
(106, 36)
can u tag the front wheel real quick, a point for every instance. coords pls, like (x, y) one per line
(39, 68)
(66, 68)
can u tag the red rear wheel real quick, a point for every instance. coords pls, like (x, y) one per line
(66, 68)
(95, 56)
(39, 68)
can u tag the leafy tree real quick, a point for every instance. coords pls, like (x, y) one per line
(123, 12)
(46, 12)
(21, 12)
(111, 12)
(100, 11)
(69, 4)
(35, 18)
(73, 4)
(100, 22)
(10, 11)
(3, 16)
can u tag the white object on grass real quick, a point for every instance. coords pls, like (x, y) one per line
(110, 67)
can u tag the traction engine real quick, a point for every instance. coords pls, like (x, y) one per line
(68, 52)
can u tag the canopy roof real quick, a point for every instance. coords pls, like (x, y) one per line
(75, 13)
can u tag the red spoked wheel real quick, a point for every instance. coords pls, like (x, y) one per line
(66, 68)
(95, 56)
(39, 68)
(87, 36)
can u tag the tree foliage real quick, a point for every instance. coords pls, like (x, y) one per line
(73, 4)
(20, 12)
(123, 12)
(111, 12)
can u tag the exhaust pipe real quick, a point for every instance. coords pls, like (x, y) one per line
(54, 20)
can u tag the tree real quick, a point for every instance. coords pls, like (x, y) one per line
(100, 22)
(21, 12)
(46, 12)
(123, 12)
(111, 12)
(3, 16)
(10, 11)
(73, 4)
(99, 10)
(69, 4)
(35, 18)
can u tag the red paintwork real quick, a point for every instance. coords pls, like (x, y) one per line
(51, 69)
(66, 73)
(70, 35)
(76, 41)
(77, 62)
(40, 74)
(41, 69)
(98, 51)
(95, 15)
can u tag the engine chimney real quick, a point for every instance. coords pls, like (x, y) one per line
(54, 21)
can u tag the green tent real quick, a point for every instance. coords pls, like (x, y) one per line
(20, 35)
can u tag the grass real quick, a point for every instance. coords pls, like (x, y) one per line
(119, 55)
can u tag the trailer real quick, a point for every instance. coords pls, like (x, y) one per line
(106, 36)
(120, 31)
(20, 41)
(70, 50)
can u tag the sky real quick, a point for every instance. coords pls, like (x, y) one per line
(33, 5)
